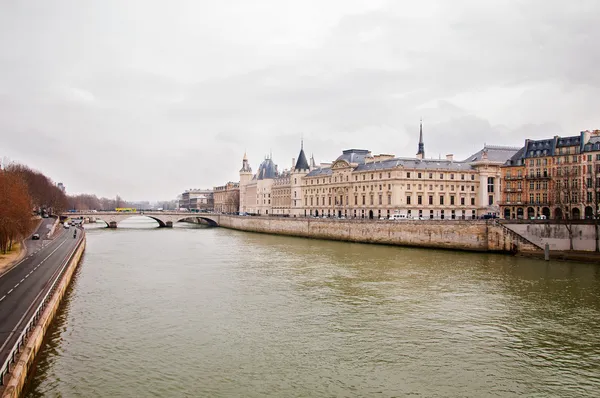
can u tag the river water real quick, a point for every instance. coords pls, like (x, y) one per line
(209, 312)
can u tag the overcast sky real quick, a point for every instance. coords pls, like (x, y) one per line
(148, 98)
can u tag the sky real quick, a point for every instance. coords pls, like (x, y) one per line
(146, 99)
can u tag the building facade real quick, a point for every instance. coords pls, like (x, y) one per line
(227, 198)
(553, 178)
(360, 185)
(197, 200)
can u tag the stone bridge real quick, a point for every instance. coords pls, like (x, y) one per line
(165, 219)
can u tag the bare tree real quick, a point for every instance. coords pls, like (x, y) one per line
(594, 184)
(566, 197)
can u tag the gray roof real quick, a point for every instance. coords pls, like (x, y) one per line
(302, 163)
(569, 141)
(516, 159)
(320, 172)
(592, 145)
(353, 155)
(413, 163)
(494, 154)
(266, 170)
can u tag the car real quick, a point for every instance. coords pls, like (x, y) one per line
(35, 237)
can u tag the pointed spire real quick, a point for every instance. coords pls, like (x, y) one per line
(421, 151)
(302, 164)
(245, 157)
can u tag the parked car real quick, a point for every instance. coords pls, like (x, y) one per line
(35, 237)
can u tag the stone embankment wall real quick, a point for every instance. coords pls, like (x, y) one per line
(448, 234)
(21, 369)
(557, 235)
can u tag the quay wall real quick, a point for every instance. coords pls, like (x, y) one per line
(557, 235)
(20, 371)
(476, 235)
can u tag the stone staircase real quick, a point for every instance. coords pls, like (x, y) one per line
(521, 243)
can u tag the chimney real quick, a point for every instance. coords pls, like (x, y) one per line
(450, 157)
(293, 163)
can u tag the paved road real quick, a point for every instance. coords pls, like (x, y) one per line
(24, 286)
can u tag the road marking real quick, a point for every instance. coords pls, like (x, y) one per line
(36, 267)
(3, 297)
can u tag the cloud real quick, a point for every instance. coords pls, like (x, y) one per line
(149, 100)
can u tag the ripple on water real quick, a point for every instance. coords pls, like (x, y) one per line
(213, 312)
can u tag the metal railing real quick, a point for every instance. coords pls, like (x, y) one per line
(32, 323)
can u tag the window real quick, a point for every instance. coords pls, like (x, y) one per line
(490, 200)
(462, 201)
(371, 199)
(355, 200)
(441, 200)
(452, 176)
(380, 187)
(419, 200)
(472, 177)
(441, 176)
(389, 187)
(389, 175)
(371, 176)
(462, 176)
(430, 175)
(452, 200)
(408, 199)
(364, 199)
(472, 188)
(389, 199)
(472, 201)
(418, 175)
(363, 177)
(380, 199)
(380, 176)
(408, 173)
(430, 199)
(462, 188)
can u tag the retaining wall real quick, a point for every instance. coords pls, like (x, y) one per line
(477, 235)
(18, 375)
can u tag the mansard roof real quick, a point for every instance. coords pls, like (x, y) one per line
(569, 141)
(354, 155)
(325, 171)
(495, 153)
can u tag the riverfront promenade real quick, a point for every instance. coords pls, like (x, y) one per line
(24, 285)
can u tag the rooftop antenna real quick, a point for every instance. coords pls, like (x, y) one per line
(302, 141)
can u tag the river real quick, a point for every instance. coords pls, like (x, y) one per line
(210, 312)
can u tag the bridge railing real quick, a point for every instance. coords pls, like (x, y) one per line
(31, 324)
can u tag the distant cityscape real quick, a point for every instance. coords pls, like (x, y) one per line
(553, 178)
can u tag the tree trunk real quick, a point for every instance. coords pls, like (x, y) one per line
(597, 236)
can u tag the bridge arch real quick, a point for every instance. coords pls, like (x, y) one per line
(164, 219)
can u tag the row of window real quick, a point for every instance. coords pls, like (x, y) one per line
(389, 175)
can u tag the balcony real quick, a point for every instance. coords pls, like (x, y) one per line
(512, 177)
(538, 177)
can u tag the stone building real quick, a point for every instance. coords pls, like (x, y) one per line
(281, 194)
(227, 198)
(361, 185)
(269, 192)
(553, 178)
(197, 199)
(255, 190)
